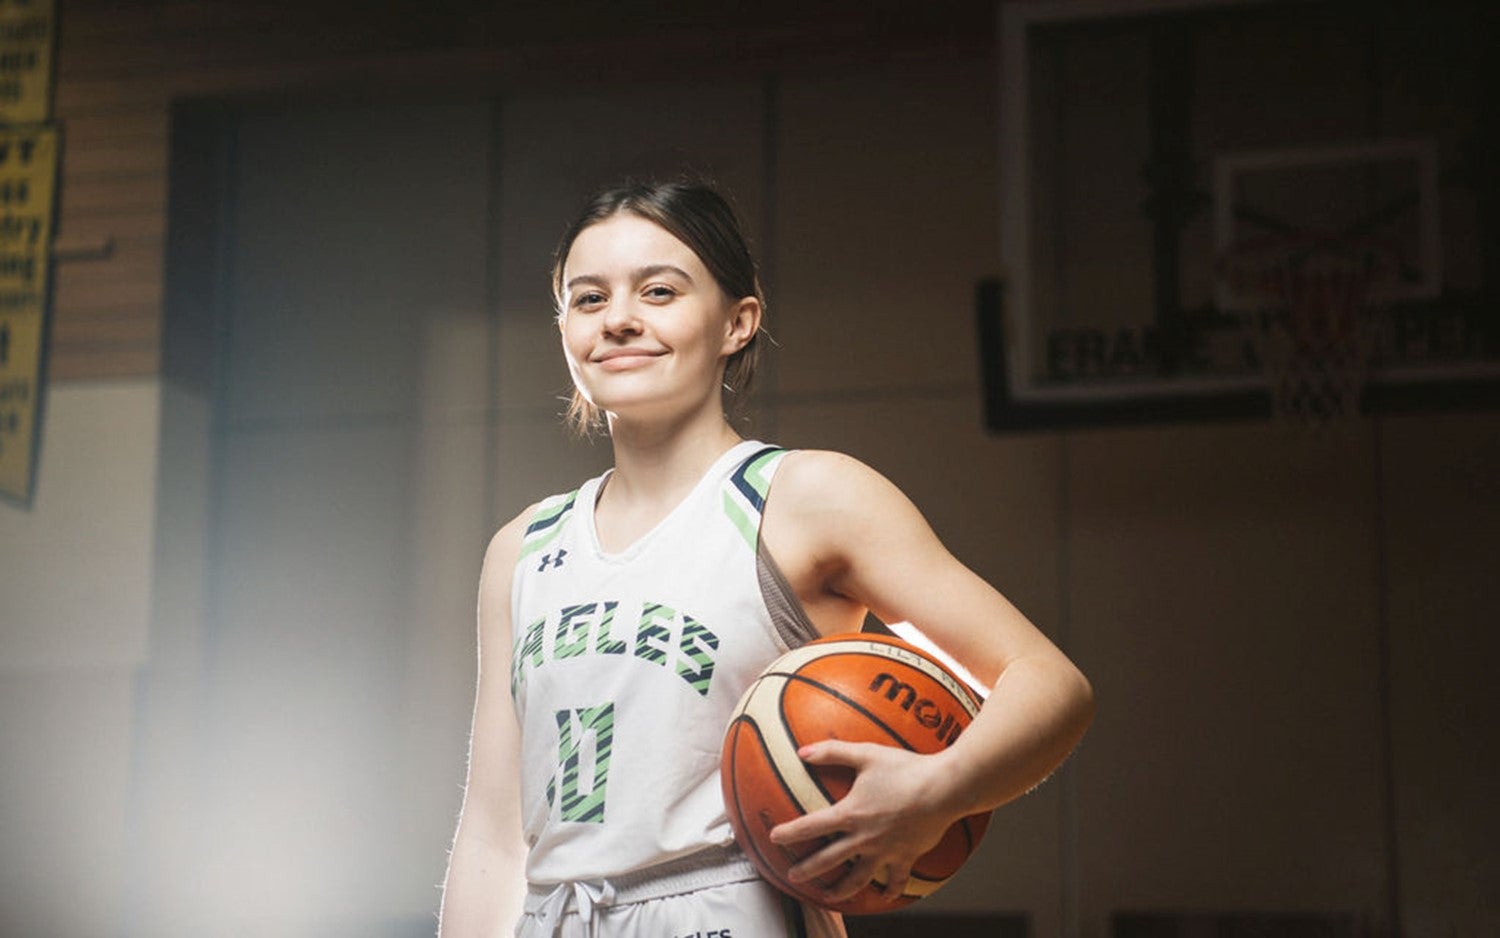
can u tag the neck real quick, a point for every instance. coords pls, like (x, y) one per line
(657, 463)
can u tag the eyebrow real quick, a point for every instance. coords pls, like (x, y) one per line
(639, 274)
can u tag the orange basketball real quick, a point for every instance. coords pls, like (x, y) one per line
(860, 688)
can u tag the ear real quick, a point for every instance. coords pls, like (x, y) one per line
(743, 323)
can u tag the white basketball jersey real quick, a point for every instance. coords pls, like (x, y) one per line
(627, 666)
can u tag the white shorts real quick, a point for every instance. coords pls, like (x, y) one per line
(719, 898)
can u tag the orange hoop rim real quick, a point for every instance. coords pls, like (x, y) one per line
(1243, 264)
(1321, 283)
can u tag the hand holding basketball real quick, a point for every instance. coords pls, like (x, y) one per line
(831, 747)
(897, 810)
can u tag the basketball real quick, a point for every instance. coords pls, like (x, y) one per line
(857, 688)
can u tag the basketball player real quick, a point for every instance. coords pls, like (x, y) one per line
(620, 623)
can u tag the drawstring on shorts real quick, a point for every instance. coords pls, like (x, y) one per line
(716, 866)
(589, 897)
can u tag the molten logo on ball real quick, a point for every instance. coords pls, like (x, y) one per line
(926, 711)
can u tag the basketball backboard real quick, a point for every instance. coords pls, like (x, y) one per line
(1144, 142)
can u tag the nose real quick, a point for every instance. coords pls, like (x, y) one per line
(620, 318)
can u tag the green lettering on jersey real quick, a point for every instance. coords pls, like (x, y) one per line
(573, 630)
(697, 646)
(584, 629)
(602, 644)
(652, 633)
(530, 645)
(575, 728)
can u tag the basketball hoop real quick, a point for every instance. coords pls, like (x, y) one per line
(1307, 301)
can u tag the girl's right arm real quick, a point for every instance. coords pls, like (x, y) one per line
(486, 882)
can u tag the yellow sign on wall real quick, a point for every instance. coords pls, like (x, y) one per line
(29, 158)
(27, 28)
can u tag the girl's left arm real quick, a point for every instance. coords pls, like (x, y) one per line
(869, 545)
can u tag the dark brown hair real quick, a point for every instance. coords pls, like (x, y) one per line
(696, 214)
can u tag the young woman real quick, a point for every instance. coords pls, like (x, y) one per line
(620, 623)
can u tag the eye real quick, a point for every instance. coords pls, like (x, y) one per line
(659, 292)
(587, 299)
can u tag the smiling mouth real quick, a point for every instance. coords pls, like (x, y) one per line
(625, 358)
(624, 353)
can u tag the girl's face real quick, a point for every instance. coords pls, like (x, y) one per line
(645, 327)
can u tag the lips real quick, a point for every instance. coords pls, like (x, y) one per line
(625, 357)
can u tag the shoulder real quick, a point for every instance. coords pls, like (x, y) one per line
(848, 533)
(835, 481)
(808, 470)
(507, 541)
(504, 550)
(837, 499)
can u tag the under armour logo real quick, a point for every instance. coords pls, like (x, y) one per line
(551, 560)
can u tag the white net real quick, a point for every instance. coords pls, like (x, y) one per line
(1309, 313)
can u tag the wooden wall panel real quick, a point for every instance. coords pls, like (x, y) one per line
(125, 194)
(109, 157)
(105, 359)
(127, 277)
(107, 284)
(81, 230)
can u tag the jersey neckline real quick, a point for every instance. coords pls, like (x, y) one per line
(589, 497)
